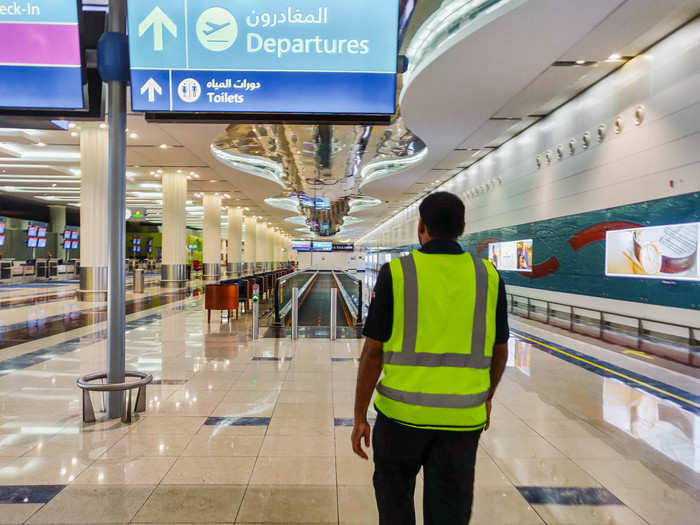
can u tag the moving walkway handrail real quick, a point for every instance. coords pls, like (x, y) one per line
(346, 297)
(284, 311)
(358, 307)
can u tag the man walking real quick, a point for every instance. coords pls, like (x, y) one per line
(438, 328)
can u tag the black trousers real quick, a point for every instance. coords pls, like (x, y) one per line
(448, 460)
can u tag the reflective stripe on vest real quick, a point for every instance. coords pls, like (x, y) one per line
(408, 355)
(434, 400)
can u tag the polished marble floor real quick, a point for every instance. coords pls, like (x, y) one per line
(258, 432)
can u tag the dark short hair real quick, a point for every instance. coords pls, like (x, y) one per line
(443, 214)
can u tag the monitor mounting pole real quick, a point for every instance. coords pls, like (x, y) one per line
(116, 303)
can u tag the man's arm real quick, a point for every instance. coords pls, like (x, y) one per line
(367, 377)
(498, 366)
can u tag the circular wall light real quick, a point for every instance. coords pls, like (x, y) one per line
(560, 151)
(639, 114)
(601, 132)
(619, 124)
(586, 140)
(548, 156)
(572, 146)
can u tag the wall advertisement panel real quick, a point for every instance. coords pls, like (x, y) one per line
(659, 252)
(513, 256)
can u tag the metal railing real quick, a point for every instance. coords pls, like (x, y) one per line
(282, 307)
(352, 297)
(670, 340)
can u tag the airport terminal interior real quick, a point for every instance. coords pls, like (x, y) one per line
(196, 198)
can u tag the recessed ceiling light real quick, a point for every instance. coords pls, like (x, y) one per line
(40, 144)
(160, 171)
(103, 126)
(74, 133)
(579, 62)
(189, 178)
(163, 146)
(153, 173)
(213, 180)
(615, 56)
(54, 185)
(133, 136)
(71, 125)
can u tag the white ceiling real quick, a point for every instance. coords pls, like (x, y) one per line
(506, 68)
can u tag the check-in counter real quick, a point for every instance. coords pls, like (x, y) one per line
(5, 270)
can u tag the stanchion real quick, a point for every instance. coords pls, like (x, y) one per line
(295, 313)
(334, 314)
(256, 312)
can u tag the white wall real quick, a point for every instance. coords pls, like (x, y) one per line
(633, 166)
(331, 260)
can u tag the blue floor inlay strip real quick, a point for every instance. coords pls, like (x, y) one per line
(50, 352)
(568, 496)
(29, 493)
(686, 400)
(238, 421)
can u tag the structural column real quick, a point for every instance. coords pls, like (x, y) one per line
(94, 207)
(235, 237)
(250, 244)
(212, 237)
(57, 226)
(261, 242)
(173, 272)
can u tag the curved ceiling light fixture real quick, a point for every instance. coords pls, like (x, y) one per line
(284, 203)
(252, 164)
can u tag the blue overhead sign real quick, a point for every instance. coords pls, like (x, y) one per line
(264, 56)
(40, 55)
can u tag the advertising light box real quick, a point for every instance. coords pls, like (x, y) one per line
(513, 256)
(264, 56)
(301, 246)
(657, 252)
(40, 55)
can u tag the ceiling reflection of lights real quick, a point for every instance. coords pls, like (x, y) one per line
(300, 219)
(383, 168)
(362, 203)
(284, 203)
(259, 166)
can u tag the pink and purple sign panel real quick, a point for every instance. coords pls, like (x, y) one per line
(40, 55)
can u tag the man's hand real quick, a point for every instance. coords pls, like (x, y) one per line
(488, 414)
(359, 431)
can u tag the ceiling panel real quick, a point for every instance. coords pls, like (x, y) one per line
(555, 85)
(486, 133)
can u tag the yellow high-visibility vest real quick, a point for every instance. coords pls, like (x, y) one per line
(437, 361)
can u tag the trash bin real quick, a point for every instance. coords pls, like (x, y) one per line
(139, 281)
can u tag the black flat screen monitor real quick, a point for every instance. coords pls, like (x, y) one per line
(31, 242)
(74, 235)
(41, 242)
(31, 231)
(41, 231)
(74, 245)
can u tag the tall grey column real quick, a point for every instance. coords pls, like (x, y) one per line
(250, 244)
(116, 224)
(212, 237)
(235, 236)
(57, 226)
(173, 273)
(94, 206)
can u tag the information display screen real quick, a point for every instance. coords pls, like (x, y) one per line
(41, 243)
(41, 231)
(74, 245)
(513, 256)
(66, 235)
(323, 246)
(2, 240)
(31, 242)
(66, 245)
(343, 247)
(31, 231)
(301, 246)
(74, 235)
(40, 55)
(2, 227)
(264, 56)
(657, 252)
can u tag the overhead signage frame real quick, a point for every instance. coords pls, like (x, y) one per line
(259, 60)
(42, 62)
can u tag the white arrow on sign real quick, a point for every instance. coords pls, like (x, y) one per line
(152, 87)
(158, 19)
